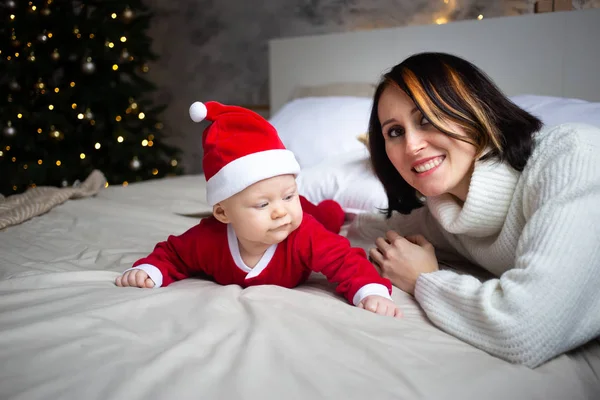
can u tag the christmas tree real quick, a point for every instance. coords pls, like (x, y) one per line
(74, 96)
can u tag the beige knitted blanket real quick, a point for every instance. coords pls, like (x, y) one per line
(39, 200)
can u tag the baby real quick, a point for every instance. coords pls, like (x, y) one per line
(258, 234)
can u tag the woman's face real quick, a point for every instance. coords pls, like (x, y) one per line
(429, 160)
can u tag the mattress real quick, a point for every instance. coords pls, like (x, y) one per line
(67, 332)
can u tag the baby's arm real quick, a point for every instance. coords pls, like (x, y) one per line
(380, 305)
(135, 278)
(357, 278)
(177, 258)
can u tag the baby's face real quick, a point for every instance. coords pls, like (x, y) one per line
(266, 212)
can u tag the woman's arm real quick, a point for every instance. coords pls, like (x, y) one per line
(548, 303)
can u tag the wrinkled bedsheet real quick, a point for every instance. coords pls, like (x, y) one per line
(67, 332)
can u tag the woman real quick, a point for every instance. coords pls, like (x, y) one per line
(471, 174)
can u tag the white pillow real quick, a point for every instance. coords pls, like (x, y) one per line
(347, 179)
(343, 172)
(559, 110)
(317, 128)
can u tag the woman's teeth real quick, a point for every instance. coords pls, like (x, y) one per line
(429, 165)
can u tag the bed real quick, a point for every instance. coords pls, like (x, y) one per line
(67, 332)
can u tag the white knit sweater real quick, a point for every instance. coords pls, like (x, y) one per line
(537, 232)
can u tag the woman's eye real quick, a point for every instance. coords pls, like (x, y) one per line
(289, 197)
(262, 205)
(395, 132)
(424, 121)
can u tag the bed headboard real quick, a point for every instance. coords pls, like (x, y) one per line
(552, 54)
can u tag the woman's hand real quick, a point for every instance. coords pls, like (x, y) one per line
(403, 259)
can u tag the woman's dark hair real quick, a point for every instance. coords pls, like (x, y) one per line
(450, 91)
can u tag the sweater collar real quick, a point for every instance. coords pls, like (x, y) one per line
(483, 213)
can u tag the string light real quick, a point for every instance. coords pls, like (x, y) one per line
(97, 146)
(12, 16)
(82, 156)
(14, 159)
(80, 116)
(115, 67)
(441, 21)
(40, 162)
(25, 166)
(113, 15)
(1, 153)
(173, 163)
(39, 130)
(56, 90)
(141, 115)
(105, 184)
(123, 39)
(125, 183)
(144, 143)
(150, 143)
(120, 139)
(118, 118)
(72, 84)
(58, 163)
(92, 36)
(49, 35)
(74, 106)
(50, 107)
(110, 44)
(480, 17)
(154, 171)
(19, 115)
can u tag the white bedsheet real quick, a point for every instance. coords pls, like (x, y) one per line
(67, 332)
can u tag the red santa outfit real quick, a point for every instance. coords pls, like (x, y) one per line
(211, 249)
(240, 149)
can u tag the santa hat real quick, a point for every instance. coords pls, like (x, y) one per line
(240, 149)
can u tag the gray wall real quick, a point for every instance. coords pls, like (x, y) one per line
(217, 49)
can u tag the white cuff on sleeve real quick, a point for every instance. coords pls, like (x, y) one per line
(153, 272)
(370, 290)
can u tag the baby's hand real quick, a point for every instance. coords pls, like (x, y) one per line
(380, 305)
(135, 278)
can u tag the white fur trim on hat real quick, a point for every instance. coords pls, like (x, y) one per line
(245, 171)
(198, 111)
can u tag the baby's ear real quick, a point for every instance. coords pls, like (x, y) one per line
(220, 214)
